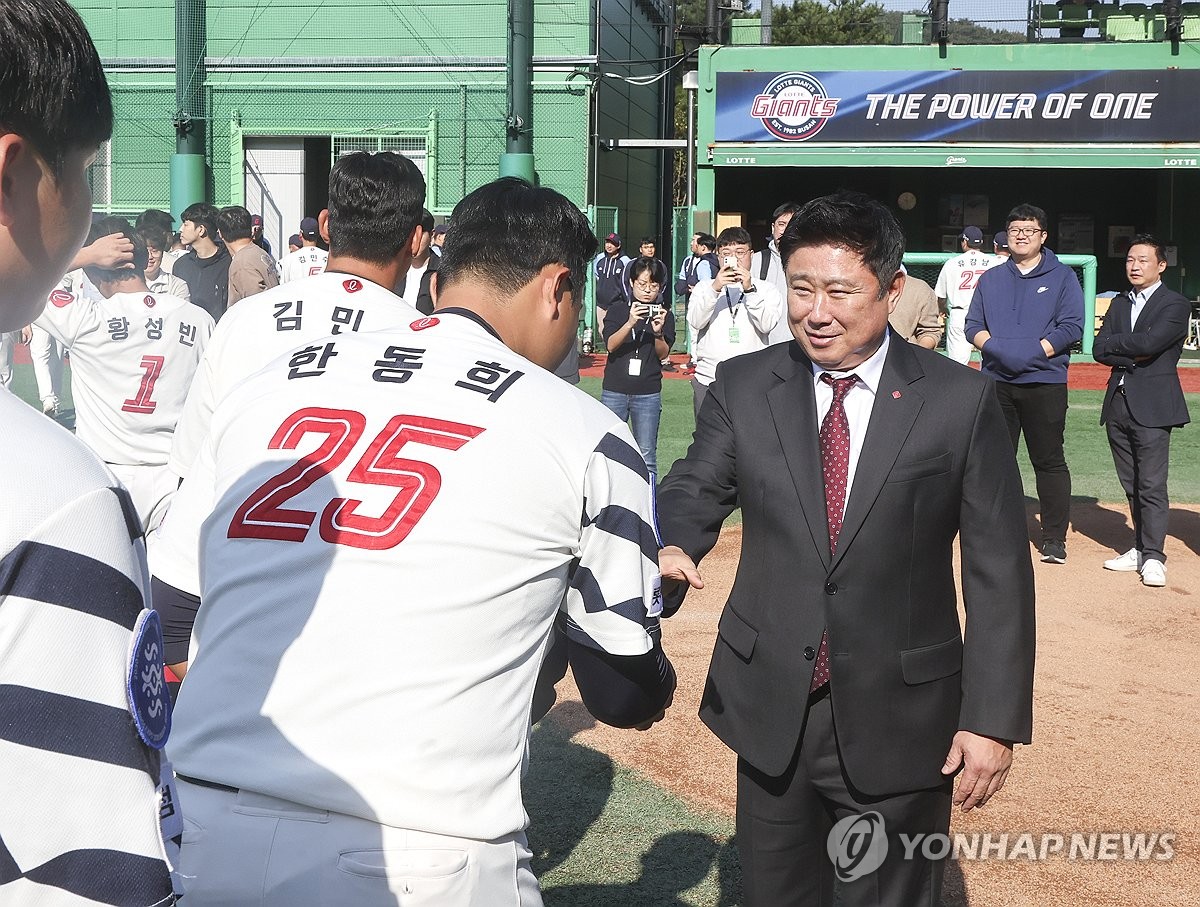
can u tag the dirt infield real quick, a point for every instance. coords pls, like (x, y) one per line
(1116, 735)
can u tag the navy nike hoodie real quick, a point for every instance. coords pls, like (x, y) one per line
(1019, 310)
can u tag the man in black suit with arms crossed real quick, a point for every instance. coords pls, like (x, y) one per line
(1141, 339)
(840, 676)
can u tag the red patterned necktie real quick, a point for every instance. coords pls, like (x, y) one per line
(835, 468)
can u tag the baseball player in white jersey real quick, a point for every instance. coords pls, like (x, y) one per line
(133, 355)
(956, 285)
(85, 711)
(382, 530)
(369, 251)
(307, 261)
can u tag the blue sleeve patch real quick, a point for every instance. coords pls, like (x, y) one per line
(146, 689)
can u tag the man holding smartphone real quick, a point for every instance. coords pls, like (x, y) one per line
(730, 314)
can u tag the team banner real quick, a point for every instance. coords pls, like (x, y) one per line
(956, 106)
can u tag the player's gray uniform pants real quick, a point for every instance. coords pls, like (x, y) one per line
(251, 850)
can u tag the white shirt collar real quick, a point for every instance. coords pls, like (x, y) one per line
(1149, 291)
(869, 372)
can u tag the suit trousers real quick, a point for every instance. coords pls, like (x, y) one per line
(1141, 455)
(783, 826)
(1040, 411)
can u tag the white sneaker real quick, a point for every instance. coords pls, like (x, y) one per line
(1154, 573)
(1129, 562)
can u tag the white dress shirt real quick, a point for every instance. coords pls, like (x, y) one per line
(857, 402)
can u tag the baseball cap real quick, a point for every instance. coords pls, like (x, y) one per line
(309, 227)
(613, 238)
(294, 239)
(1001, 240)
(256, 220)
(440, 229)
(973, 236)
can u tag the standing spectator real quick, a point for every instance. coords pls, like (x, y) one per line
(700, 265)
(309, 259)
(610, 269)
(256, 234)
(767, 267)
(955, 286)
(730, 314)
(1142, 338)
(418, 269)
(133, 355)
(364, 784)
(158, 278)
(439, 239)
(916, 317)
(638, 331)
(1025, 316)
(205, 268)
(83, 699)
(251, 269)
(161, 223)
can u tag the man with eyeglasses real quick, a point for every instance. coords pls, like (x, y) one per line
(1024, 318)
(767, 267)
(731, 314)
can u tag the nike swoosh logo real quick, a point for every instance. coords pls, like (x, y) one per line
(1042, 289)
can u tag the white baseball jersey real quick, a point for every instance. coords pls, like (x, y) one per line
(81, 688)
(308, 261)
(132, 360)
(956, 282)
(382, 529)
(264, 326)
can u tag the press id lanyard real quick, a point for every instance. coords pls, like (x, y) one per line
(735, 333)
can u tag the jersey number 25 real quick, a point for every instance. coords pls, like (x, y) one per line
(263, 516)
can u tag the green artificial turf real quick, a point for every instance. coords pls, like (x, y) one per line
(604, 836)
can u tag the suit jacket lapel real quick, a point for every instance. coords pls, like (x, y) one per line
(793, 405)
(896, 406)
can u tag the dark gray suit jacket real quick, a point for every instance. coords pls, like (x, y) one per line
(1147, 356)
(936, 463)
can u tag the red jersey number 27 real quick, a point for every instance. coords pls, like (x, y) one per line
(263, 514)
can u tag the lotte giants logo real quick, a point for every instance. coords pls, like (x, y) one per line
(794, 106)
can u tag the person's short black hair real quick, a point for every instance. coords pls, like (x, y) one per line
(732, 236)
(648, 241)
(106, 226)
(646, 265)
(159, 220)
(506, 231)
(234, 223)
(785, 208)
(853, 221)
(52, 85)
(375, 203)
(427, 221)
(1028, 212)
(1145, 239)
(153, 235)
(707, 240)
(203, 215)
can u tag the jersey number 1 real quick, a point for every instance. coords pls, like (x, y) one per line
(142, 402)
(263, 516)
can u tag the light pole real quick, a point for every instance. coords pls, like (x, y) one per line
(691, 84)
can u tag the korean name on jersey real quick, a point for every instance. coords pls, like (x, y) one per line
(264, 326)
(133, 356)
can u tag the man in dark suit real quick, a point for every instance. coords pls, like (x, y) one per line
(1141, 339)
(840, 676)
